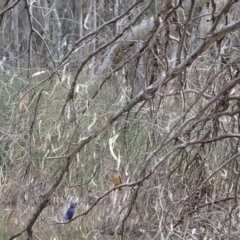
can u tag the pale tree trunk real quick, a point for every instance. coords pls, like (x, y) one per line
(14, 46)
(57, 33)
(44, 21)
(116, 13)
(25, 31)
(76, 27)
(93, 43)
(115, 53)
(79, 17)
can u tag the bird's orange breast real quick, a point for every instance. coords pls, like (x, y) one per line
(116, 179)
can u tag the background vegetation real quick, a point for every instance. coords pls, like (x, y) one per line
(150, 87)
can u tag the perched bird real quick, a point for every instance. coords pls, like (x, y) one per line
(116, 178)
(69, 214)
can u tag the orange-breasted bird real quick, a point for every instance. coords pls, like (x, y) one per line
(116, 178)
